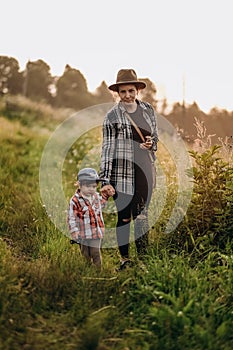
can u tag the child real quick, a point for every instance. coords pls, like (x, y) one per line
(85, 219)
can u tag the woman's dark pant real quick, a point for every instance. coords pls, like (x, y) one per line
(136, 207)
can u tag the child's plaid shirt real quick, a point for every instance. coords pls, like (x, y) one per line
(85, 218)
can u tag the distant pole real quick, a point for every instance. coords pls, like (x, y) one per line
(183, 88)
(183, 93)
(25, 84)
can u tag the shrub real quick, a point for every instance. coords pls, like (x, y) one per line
(209, 220)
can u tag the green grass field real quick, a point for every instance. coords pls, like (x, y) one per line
(181, 298)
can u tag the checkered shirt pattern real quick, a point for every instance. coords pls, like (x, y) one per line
(117, 156)
(86, 218)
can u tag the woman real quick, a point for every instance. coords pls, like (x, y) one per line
(127, 160)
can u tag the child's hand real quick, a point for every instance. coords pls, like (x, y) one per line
(107, 191)
(75, 236)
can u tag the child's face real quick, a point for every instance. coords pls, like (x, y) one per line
(88, 189)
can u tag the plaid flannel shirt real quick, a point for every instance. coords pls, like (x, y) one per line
(117, 156)
(85, 218)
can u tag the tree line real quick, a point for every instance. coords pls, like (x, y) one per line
(70, 90)
(36, 82)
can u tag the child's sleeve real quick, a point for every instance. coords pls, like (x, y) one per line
(103, 202)
(72, 219)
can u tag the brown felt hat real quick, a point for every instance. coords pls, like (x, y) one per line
(127, 76)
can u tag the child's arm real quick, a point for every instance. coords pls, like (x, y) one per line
(103, 196)
(75, 235)
(72, 220)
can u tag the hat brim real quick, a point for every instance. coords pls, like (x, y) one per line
(90, 180)
(139, 84)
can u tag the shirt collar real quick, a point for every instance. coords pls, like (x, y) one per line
(121, 106)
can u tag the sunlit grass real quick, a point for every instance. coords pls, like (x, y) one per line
(51, 299)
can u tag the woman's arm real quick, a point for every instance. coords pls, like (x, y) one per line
(108, 149)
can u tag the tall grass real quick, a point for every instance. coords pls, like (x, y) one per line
(51, 299)
(33, 114)
(208, 224)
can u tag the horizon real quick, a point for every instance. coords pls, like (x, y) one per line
(178, 46)
(159, 94)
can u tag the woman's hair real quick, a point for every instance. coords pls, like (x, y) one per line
(135, 85)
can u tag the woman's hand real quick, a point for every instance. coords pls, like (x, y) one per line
(148, 144)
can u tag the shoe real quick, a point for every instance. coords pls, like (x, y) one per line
(124, 264)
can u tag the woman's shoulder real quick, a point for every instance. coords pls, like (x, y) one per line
(114, 114)
(113, 109)
(145, 105)
(149, 110)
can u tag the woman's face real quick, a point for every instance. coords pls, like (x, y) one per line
(128, 93)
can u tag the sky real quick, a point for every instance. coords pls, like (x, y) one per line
(183, 46)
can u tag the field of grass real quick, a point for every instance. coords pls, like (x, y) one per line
(180, 298)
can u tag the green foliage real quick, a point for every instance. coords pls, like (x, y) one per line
(11, 79)
(32, 114)
(37, 80)
(51, 299)
(72, 90)
(209, 219)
